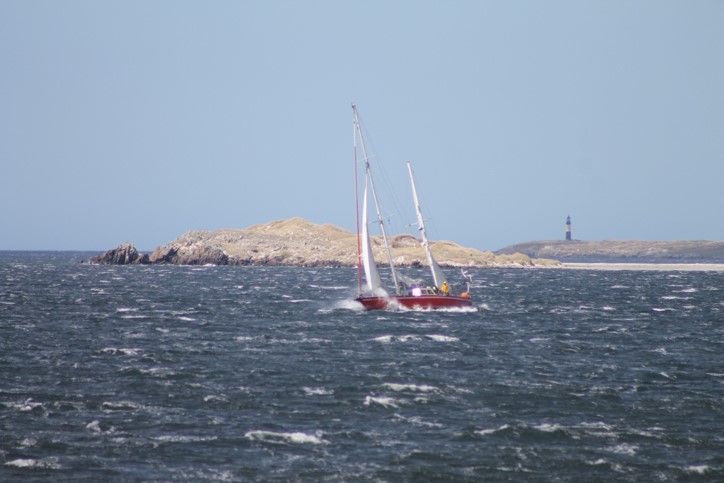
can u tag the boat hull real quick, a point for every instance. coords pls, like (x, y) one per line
(425, 301)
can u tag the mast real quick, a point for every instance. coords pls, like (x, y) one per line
(368, 174)
(437, 276)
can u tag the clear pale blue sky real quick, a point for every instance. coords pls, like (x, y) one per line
(138, 121)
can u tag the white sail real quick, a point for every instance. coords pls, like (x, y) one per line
(372, 275)
(368, 180)
(437, 275)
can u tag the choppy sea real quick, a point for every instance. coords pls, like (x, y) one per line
(118, 373)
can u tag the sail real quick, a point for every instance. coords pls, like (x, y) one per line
(372, 275)
(437, 276)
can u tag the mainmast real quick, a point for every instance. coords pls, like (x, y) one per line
(437, 276)
(368, 176)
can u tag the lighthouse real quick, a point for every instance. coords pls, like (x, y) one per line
(568, 228)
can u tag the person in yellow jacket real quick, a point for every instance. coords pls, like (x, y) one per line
(444, 289)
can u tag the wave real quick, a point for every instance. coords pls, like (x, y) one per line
(384, 401)
(43, 463)
(386, 339)
(295, 437)
(410, 387)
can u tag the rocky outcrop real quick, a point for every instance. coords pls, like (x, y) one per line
(298, 242)
(196, 255)
(124, 254)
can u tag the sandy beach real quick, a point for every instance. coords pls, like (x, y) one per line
(678, 267)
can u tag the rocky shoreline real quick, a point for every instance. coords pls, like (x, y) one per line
(298, 242)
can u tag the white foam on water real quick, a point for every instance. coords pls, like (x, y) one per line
(410, 387)
(243, 338)
(384, 401)
(548, 428)
(28, 442)
(49, 463)
(698, 469)
(126, 309)
(175, 438)
(295, 437)
(119, 405)
(386, 339)
(94, 426)
(442, 338)
(486, 432)
(663, 309)
(186, 319)
(625, 449)
(346, 304)
(27, 405)
(122, 351)
(317, 391)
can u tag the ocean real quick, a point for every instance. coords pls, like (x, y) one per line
(160, 373)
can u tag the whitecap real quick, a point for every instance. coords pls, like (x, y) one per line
(442, 338)
(186, 319)
(396, 338)
(94, 426)
(175, 438)
(486, 432)
(317, 391)
(548, 428)
(28, 442)
(126, 309)
(122, 351)
(114, 405)
(625, 449)
(698, 469)
(50, 464)
(410, 387)
(27, 405)
(285, 438)
(383, 401)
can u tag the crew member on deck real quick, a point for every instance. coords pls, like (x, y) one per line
(444, 289)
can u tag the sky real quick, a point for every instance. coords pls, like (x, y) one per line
(139, 121)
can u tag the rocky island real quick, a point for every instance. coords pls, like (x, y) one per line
(298, 242)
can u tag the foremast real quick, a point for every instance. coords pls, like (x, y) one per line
(371, 273)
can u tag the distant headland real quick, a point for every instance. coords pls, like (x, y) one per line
(298, 242)
(622, 251)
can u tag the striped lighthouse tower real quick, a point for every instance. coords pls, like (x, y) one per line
(568, 228)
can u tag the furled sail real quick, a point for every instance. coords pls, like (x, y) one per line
(437, 276)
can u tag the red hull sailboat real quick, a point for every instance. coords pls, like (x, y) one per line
(409, 294)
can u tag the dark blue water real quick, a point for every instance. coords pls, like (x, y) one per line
(247, 373)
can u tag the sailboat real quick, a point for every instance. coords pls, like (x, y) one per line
(407, 293)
